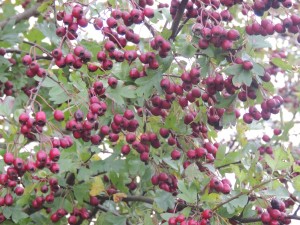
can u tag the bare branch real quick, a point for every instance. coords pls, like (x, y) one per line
(177, 19)
(16, 51)
(22, 16)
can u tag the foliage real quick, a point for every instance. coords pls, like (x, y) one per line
(140, 112)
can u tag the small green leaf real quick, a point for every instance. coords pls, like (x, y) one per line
(7, 212)
(81, 192)
(258, 69)
(233, 70)
(187, 50)
(258, 41)
(18, 215)
(7, 105)
(296, 183)
(164, 200)
(115, 220)
(244, 77)
(147, 219)
(279, 161)
(282, 64)
(189, 194)
(225, 102)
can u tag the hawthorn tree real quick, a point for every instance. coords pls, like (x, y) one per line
(140, 112)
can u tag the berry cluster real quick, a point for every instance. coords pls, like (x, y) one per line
(275, 214)
(182, 220)
(77, 213)
(30, 125)
(33, 67)
(8, 88)
(206, 153)
(167, 182)
(223, 186)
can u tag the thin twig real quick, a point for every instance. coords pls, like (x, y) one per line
(16, 51)
(22, 16)
(177, 19)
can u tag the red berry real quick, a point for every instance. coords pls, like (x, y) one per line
(98, 23)
(8, 199)
(175, 154)
(207, 214)
(8, 158)
(19, 191)
(26, 60)
(58, 115)
(77, 11)
(40, 118)
(247, 65)
(54, 154)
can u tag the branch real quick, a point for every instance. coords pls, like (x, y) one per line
(21, 52)
(23, 16)
(39, 47)
(131, 199)
(177, 19)
(33, 97)
(150, 28)
(182, 25)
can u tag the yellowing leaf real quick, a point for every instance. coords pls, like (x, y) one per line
(95, 157)
(118, 197)
(97, 186)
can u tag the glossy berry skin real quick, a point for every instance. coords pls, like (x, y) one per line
(8, 199)
(54, 154)
(40, 118)
(112, 82)
(8, 158)
(265, 217)
(57, 53)
(175, 154)
(26, 60)
(58, 115)
(72, 219)
(206, 214)
(19, 191)
(247, 65)
(41, 156)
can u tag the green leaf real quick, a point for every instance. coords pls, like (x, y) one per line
(148, 220)
(121, 71)
(282, 64)
(81, 192)
(233, 70)
(189, 194)
(164, 200)
(258, 41)
(187, 50)
(244, 77)
(58, 95)
(147, 83)
(7, 212)
(18, 215)
(205, 66)
(228, 119)
(77, 81)
(115, 220)
(236, 203)
(225, 102)
(49, 31)
(258, 69)
(7, 105)
(296, 183)
(279, 161)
